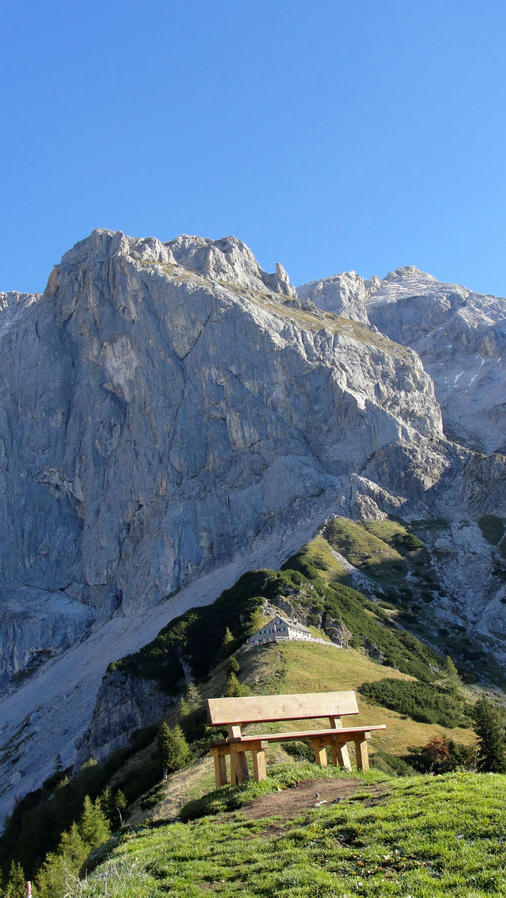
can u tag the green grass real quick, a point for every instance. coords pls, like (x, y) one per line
(425, 837)
(318, 557)
(360, 545)
(394, 534)
(301, 667)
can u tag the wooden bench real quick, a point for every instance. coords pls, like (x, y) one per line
(235, 713)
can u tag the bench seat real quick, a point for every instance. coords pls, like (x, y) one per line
(237, 711)
(343, 734)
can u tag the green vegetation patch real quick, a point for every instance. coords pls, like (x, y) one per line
(199, 634)
(493, 528)
(421, 701)
(394, 534)
(361, 546)
(373, 629)
(371, 625)
(429, 837)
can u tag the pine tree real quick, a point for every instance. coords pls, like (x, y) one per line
(190, 701)
(184, 708)
(490, 755)
(106, 802)
(16, 883)
(172, 746)
(119, 803)
(61, 868)
(453, 681)
(255, 621)
(57, 873)
(233, 665)
(232, 686)
(192, 696)
(93, 826)
(227, 643)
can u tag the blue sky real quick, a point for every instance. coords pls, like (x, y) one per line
(329, 135)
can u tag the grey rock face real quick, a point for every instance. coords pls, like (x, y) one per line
(228, 260)
(12, 305)
(36, 625)
(461, 339)
(124, 704)
(343, 294)
(459, 335)
(157, 423)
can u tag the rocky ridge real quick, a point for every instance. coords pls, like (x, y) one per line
(459, 335)
(169, 410)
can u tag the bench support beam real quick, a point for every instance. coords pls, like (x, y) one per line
(259, 771)
(220, 767)
(361, 754)
(320, 751)
(340, 754)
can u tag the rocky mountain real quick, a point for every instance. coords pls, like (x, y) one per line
(459, 335)
(171, 416)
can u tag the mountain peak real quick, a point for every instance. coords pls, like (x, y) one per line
(405, 272)
(228, 259)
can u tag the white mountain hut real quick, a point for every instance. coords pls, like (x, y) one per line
(281, 628)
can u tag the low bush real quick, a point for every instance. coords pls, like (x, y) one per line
(420, 701)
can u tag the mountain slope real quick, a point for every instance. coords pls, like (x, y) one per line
(171, 416)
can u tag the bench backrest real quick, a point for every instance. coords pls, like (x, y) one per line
(264, 708)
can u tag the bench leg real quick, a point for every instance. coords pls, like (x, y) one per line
(259, 771)
(361, 754)
(220, 768)
(341, 756)
(238, 767)
(320, 752)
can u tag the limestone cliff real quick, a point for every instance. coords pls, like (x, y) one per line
(155, 422)
(459, 335)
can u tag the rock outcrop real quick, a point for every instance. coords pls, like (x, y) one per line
(459, 335)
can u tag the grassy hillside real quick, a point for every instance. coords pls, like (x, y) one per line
(303, 667)
(400, 681)
(423, 837)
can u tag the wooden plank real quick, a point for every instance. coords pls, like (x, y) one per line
(239, 763)
(341, 756)
(346, 732)
(361, 754)
(234, 771)
(220, 768)
(234, 732)
(259, 771)
(222, 746)
(320, 752)
(264, 708)
(340, 753)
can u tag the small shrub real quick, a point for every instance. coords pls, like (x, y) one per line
(421, 701)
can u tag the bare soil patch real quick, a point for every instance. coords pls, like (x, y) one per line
(310, 794)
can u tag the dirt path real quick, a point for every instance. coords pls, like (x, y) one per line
(311, 794)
